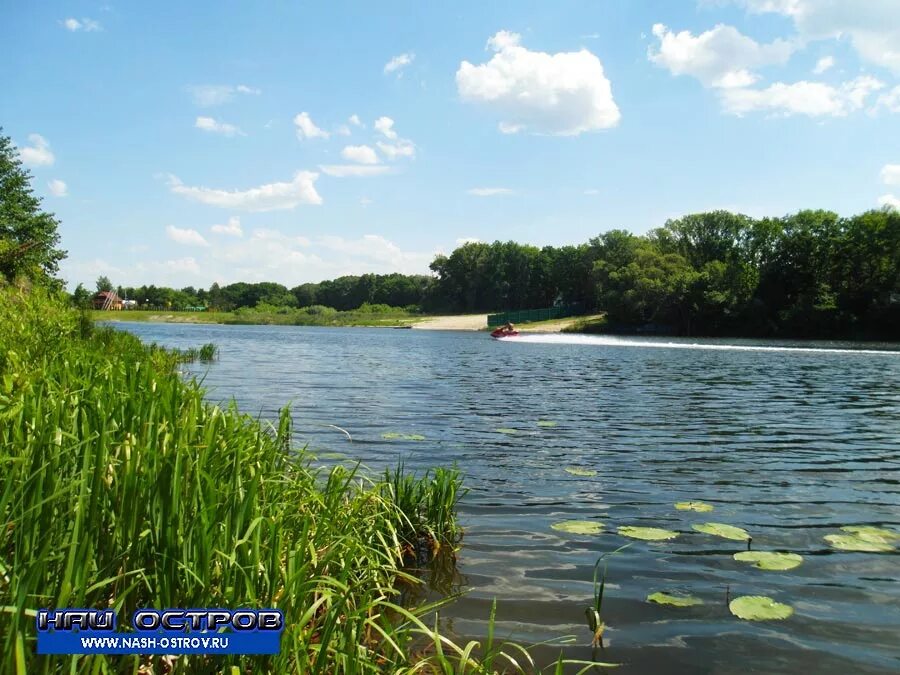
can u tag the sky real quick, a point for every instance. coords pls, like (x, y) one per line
(186, 143)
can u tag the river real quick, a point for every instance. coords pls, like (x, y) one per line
(790, 441)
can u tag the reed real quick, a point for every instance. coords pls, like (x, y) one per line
(121, 487)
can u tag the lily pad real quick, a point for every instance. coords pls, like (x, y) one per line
(759, 608)
(661, 598)
(723, 530)
(331, 455)
(575, 471)
(546, 423)
(852, 542)
(647, 533)
(504, 430)
(770, 560)
(578, 526)
(699, 507)
(876, 535)
(394, 436)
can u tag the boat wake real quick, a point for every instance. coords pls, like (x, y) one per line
(611, 341)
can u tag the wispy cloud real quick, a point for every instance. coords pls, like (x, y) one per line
(490, 191)
(214, 126)
(354, 170)
(207, 95)
(398, 63)
(232, 228)
(268, 197)
(185, 236)
(58, 188)
(85, 24)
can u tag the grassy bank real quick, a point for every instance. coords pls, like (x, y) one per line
(121, 487)
(283, 316)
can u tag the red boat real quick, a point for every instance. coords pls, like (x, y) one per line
(502, 333)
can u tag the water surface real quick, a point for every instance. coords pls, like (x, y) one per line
(788, 440)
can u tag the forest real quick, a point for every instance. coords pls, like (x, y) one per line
(808, 274)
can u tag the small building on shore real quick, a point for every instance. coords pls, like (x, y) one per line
(107, 300)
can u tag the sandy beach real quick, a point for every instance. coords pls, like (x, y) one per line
(460, 322)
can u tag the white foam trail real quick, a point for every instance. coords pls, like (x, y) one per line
(609, 341)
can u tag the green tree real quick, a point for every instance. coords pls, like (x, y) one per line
(28, 235)
(81, 297)
(103, 283)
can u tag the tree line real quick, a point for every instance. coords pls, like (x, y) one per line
(809, 274)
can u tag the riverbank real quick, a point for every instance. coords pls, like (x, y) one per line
(197, 506)
(470, 322)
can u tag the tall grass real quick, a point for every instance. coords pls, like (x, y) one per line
(121, 487)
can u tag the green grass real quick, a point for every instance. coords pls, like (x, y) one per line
(284, 316)
(588, 324)
(121, 487)
(161, 316)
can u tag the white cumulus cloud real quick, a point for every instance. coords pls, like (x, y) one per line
(38, 153)
(398, 63)
(232, 228)
(207, 95)
(871, 26)
(363, 154)
(58, 188)
(185, 236)
(354, 120)
(385, 126)
(268, 197)
(490, 191)
(564, 94)
(353, 170)
(214, 126)
(814, 99)
(720, 57)
(306, 128)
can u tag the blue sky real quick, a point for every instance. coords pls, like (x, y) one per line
(186, 143)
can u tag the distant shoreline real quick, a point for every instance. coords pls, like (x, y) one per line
(466, 322)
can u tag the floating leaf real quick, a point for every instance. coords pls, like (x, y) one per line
(770, 560)
(503, 430)
(546, 423)
(579, 526)
(661, 598)
(647, 533)
(575, 471)
(759, 608)
(876, 535)
(394, 436)
(723, 530)
(851, 542)
(700, 507)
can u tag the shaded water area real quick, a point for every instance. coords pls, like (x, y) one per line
(789, 444)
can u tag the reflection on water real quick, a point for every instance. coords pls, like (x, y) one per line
(788, 440)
